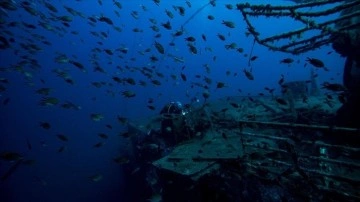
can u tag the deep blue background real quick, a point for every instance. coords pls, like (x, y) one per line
(65, 176)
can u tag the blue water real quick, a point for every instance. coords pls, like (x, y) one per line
(64, 176)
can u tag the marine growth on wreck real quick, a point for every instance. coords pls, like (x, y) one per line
(156, 100)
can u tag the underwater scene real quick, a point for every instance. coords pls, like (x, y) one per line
(179, 100)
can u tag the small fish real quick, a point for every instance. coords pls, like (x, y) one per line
(329, 103)
(155, 28)
(4, 80)
(314, 76)
(62, 149)
(10, 156)
(154, 59)
(70, 105)
(192, 48)
(180, 9)
(235, 105)
(333, 87)
(43, 143)
(144, 8)
(11, 170)
(167, 25)
(206, 94)
(135, 14)
(156, 82)
(159, 47)
(284, 89)
(248, 74)
(224, 110)
(287, 61)
(169, 13)
(240, 50)
(106, 20)
(121, 160)
(50, 7)
(117, 4)
(96, 178)
(221, 37)
(229, 6)
(96, 117)
(122, 120)
(78, 65)
(183, 76)
(99, 144)
(103, 135)
(62, 137)
(130, 81)
(210, 17)
(153, 20)
(125, 134)
(6, 101)
(65, 18)
(190, 39)
(117, 79)
(137, 30)
(108, 51)
(315, 62)
(328, 96)
(281, 80)
(128, 94)
(230, 46)
(137, 169)
(281, 101)
(2, 88)
(253, 58)
(28, 144)
(149, 147)
(4, 43)
(157, 2)
(203, 36)
(220, 85)
(228, 24)
(45, 125)
(177, 59)
(48, 101)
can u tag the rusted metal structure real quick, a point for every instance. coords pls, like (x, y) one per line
(262, 140)
(347, 19)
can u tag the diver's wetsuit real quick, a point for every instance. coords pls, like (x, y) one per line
(347, 44)
(349, 114)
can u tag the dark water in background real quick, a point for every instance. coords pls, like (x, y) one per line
(64, 176)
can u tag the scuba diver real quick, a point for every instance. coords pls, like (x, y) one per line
(174, 128)
(347, 44)
(175, 123)
(141, 177)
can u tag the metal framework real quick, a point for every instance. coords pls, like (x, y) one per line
(297, 43)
